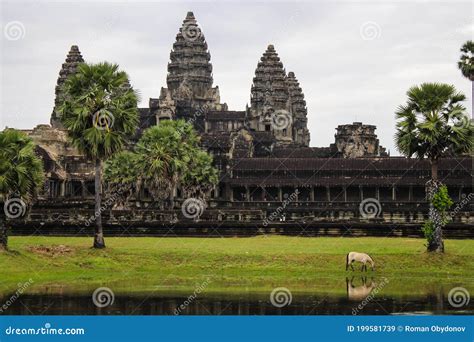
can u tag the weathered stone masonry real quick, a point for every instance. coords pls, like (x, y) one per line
(263, 155)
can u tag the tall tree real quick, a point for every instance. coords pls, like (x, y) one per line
(98, 107)
(466, 65)
(432, 124)
(166, 156)
(21, 177)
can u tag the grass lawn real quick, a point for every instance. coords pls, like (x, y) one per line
(233, 265)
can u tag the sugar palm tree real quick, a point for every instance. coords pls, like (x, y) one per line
(167, 151)
(166, 156)
(466, 65)
(21, 176)
(432, 124)
(98, 107)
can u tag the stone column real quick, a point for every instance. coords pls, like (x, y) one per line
(410, 193)
(247, 193)
(311, 194)
(393, 193)
(62, 189)
(328, 194)
(280, 194)
(83, 189)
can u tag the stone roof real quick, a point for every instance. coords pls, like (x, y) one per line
(355, 164)
(228, 115)
(304, 152)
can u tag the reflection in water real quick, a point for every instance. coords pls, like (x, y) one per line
(301, 305)
(359, 293)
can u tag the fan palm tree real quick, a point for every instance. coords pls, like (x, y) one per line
(165, 156)
(167, 151)
(432, 124)
(466, 65)
(21, 176)
(98, 107)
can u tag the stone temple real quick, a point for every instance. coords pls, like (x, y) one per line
(271, 180)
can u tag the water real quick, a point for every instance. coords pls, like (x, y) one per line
(65, 304)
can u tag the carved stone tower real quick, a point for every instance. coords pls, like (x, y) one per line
(73, 59)
(358, 140)
(298, 109)
(189, 78)
(277, 103)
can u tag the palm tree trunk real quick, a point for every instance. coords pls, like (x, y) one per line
(434, 170)
(3, 235)
(436, 244)
(99, 234)
(472, 99)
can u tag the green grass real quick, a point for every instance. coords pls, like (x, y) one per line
(234, 266)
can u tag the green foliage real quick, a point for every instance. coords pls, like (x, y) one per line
(21, 170)
(433, 123)
(98, 107)
(428, 229)
(200, 176)
(165, 156)
(122, 168)
(466, 61)
(441, 200)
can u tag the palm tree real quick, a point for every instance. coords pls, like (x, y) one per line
(167, 151)
(466, 65)
(165, 156)
(432, 124)
(98, 107)
(21, 176)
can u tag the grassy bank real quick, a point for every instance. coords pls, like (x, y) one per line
(232, 265)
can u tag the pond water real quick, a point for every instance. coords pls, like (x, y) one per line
(66, 304)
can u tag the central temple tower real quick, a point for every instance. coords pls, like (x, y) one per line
(189, 80)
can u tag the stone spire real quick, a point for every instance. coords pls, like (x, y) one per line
(190, 70)
(269, 87)
(189, 78)
(73, 59)
(298, 109)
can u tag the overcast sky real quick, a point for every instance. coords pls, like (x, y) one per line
(355, 60)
